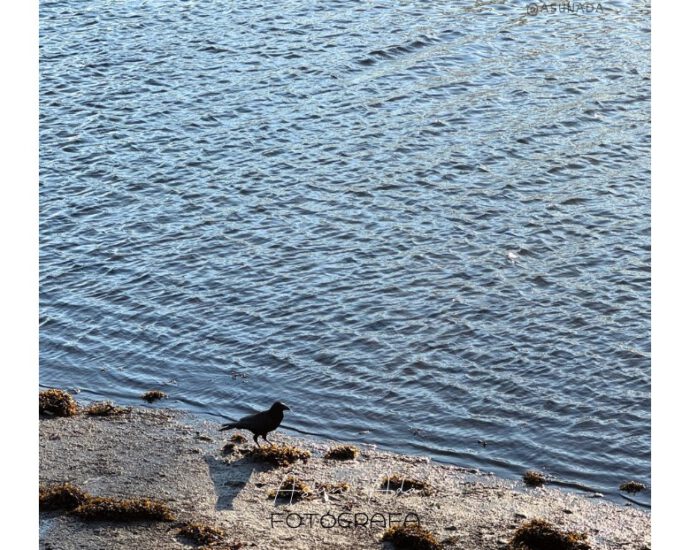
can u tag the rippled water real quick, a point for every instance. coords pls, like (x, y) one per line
(424, 220)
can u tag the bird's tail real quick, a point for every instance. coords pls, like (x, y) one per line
(229, 426)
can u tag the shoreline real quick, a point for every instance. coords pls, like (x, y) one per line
(501, 468)
(179, 459)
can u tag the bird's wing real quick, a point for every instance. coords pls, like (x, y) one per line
(257, 420)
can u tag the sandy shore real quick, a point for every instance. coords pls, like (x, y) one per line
(179, 459)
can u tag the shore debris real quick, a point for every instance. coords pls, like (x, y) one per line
(411, 537)
(154, 395)
(292, 489)
(56, 403)
(632, 487)
(238, 438)
(129, 509)
(533, 478)
(342, 452)
(279, 455)
(539, 534)
(201, 533)
(401, 484)
(63, 496)
(105, 408)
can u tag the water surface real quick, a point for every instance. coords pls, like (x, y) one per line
(420, 224)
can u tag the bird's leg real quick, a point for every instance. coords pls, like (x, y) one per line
(256, 440)
(266, 439)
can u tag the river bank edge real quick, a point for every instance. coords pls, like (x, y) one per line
(185, 462)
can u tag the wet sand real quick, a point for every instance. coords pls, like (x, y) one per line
(179, 459)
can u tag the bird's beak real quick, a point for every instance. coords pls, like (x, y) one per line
(286, 407)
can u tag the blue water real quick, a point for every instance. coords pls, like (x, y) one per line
(424, 221)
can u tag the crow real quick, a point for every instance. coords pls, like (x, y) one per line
(260, 423)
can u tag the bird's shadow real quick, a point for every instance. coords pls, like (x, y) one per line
(230, 477)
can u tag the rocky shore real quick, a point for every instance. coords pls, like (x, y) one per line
(313, 503)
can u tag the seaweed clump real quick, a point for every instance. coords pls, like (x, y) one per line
(533, 479)
(154, 395)
(105, 408)
(228, 449)
(238, 438)
(68, 497)
(292, 489)
(632, 487)
(63, 496)
(134, 509)
(201, 534)
(56, 403)
(401, 484)
(411, 537)
(538, 534)
(279, 455)
(342, 452)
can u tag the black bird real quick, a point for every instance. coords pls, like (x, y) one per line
(260, 423)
